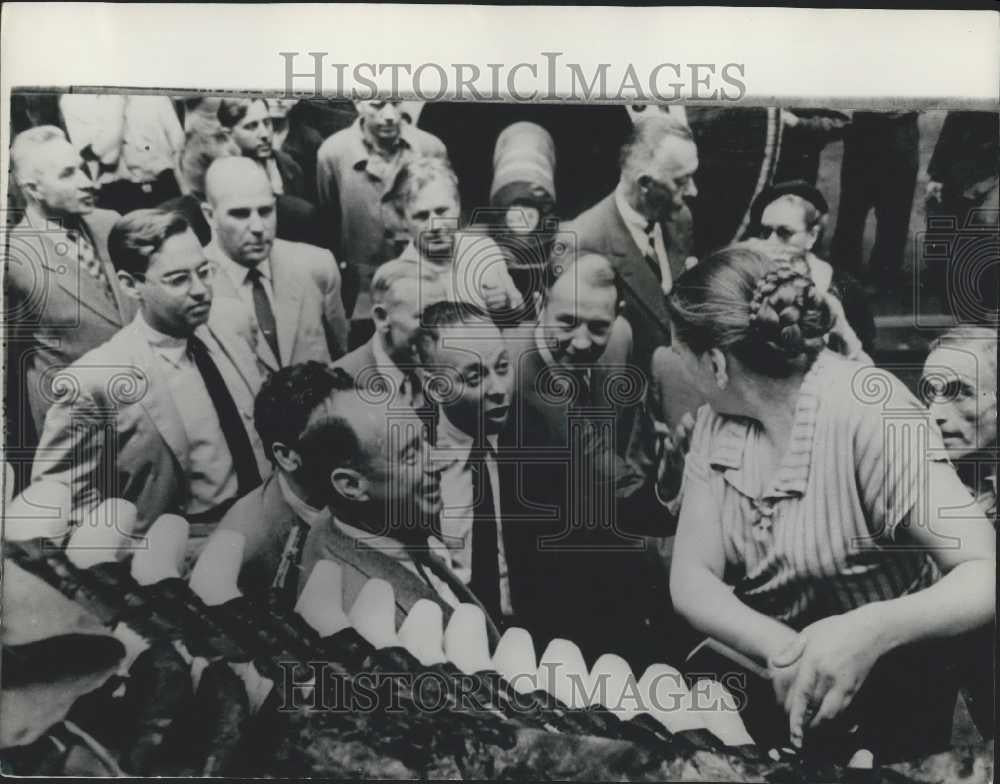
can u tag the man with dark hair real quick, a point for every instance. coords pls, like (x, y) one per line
(276, 517)
(64, 297)
(470, 382)
(383, 492)
(248, 121)
(175, 393)
(583, 560)
(644, 228)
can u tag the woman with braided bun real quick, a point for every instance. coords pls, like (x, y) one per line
(811, 536)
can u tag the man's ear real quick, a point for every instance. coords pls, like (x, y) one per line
(208, 212)
(287, 458)
(379, 314)
(350, 484)
(29, 188)
(128, 285)
(719, 367)
(813, 236)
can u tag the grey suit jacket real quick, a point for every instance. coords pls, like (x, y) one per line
(360, 563)
(117, 410)
(56, 312)
(307, 307)
(602, 230)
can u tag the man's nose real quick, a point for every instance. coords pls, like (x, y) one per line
(83, 179)
(200, 288)
(390, 113)
(691, 190)
(582, 339)
(256, 223)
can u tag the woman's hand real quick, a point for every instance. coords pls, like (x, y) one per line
(838, 654)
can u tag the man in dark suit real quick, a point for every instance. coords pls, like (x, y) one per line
(64, 298)
(586, 516)
(291, 292)
(644, 227)
(373, 465)
(387, 366)
(249, 122)
(471, 376)
(159, 414)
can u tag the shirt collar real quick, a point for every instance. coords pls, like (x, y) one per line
(364, 149)
(237, 272)
(171, 348)
(456, 441)
(304, 511)
(386, 545)
(385, 364)
(633, 219)
(792, 477)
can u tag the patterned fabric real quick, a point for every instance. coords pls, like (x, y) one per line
(87, 257)
(818, 537)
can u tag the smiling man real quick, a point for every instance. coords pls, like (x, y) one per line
(63, 293)
(470, 378)
(382, 487)
(176, 394)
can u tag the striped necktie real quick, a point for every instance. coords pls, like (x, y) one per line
(650, 253)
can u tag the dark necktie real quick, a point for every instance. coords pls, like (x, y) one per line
(262, 307)
(584, 392)
(650, 253)
(286, 577)
(485, 581)
(88, 259)
(237, 440)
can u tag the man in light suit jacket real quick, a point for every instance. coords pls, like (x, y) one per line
(167, 401)
(291, 290)
(644, 227)
(374, 467)
(63, 296)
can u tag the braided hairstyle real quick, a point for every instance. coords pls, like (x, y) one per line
(766, 312)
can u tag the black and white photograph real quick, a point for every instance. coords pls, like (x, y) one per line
(421, 399)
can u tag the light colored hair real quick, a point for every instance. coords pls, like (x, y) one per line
(810, 215)
(391, 272)
(414, 176)
(982, 340)
(647, 135)
(23, 152)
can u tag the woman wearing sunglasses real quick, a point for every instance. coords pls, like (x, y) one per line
(790, 218)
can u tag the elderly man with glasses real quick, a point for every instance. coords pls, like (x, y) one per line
(167, 403)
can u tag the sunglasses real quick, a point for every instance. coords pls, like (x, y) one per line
(784, 232)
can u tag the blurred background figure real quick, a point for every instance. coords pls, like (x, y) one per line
(355, 168)
(879, 171)
(249, 122)
(805, 132)
(130, 144)
(790, 218)
(522, 216)
(296, 139)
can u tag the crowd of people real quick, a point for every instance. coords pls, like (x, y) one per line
(274, 319)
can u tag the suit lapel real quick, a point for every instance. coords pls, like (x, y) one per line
(240, 360)
(80, 285)
(126, 307)
(287, 306)
(158, 402)
(632, 268)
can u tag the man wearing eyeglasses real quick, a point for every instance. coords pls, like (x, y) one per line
(644, 227)
(162, 413)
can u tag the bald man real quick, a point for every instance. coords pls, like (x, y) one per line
(63, 294)
(291, 290)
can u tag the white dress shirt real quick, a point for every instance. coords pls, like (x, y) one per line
(237, 273)
(400, 553)
(211, 475)
(400, 383)
(454, 448)
(636, 224)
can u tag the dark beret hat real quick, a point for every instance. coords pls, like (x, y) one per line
(774, 192)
